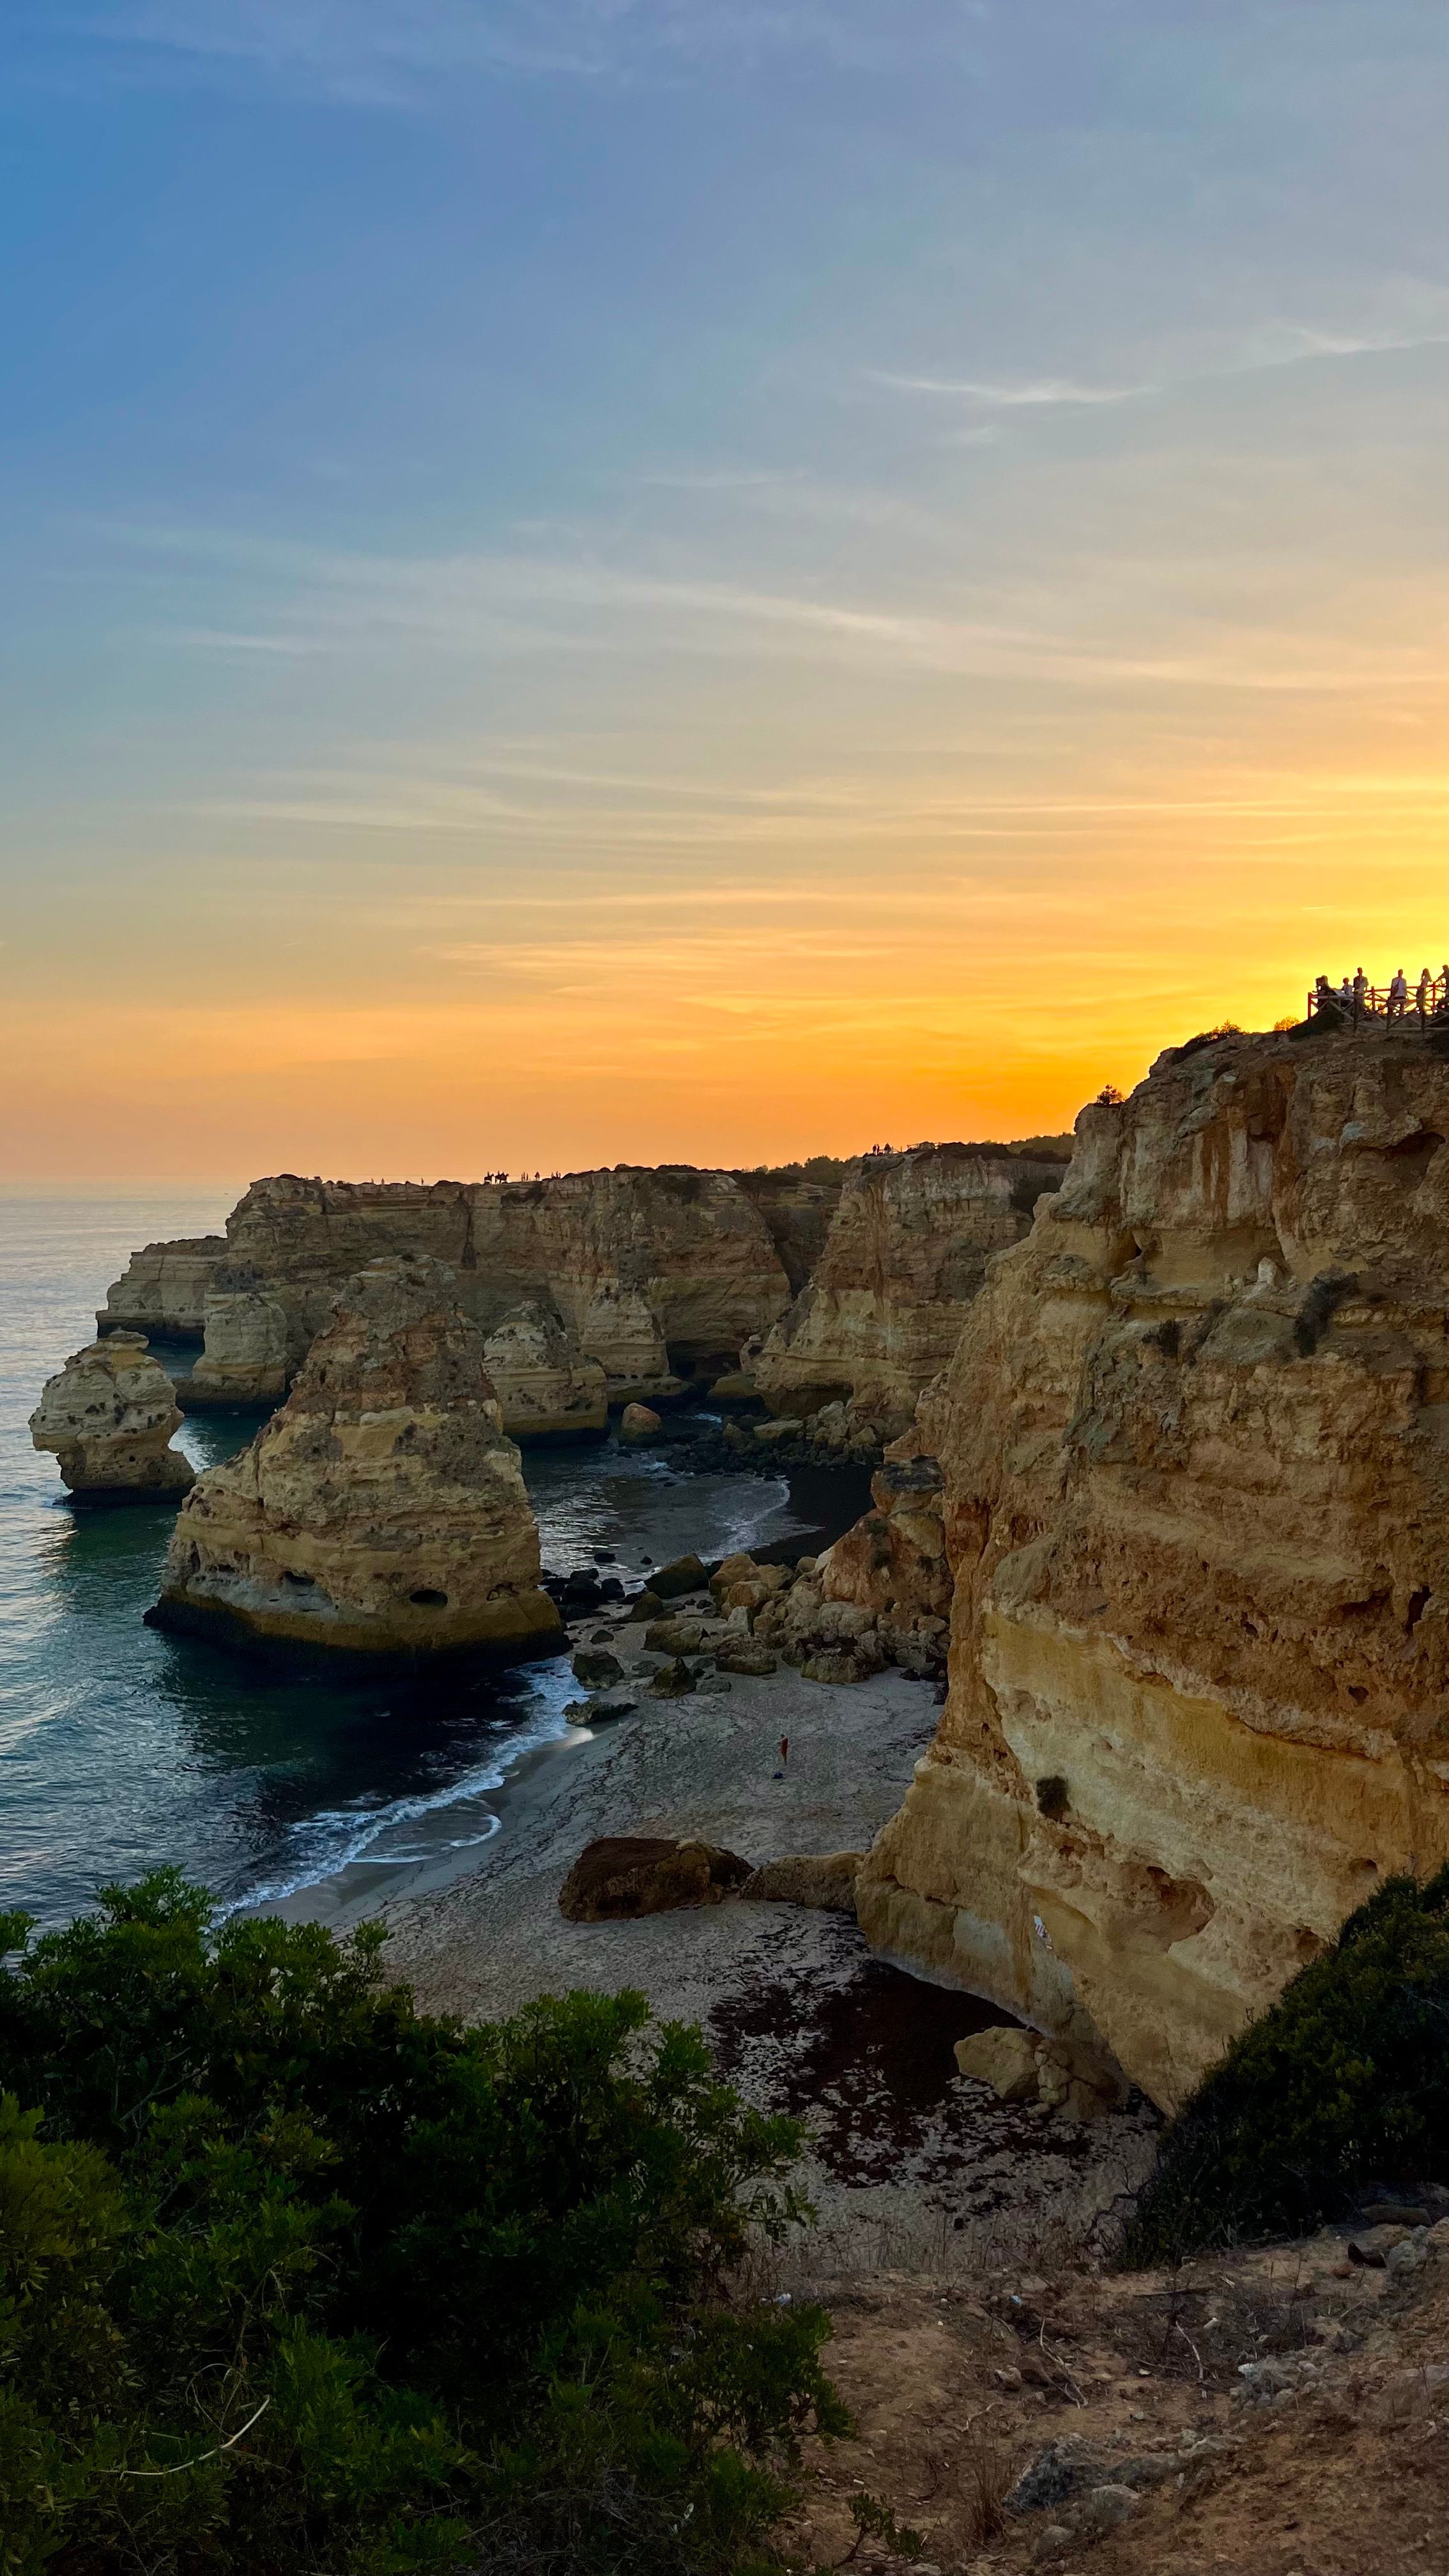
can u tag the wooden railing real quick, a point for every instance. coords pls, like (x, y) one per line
(1424, 1004)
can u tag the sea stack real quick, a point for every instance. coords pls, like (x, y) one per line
(382, 1511)
(1194, 1461)
(109, 1417)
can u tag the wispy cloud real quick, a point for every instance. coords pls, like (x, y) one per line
(1033, 393)
(377, 52)
(1264, 349)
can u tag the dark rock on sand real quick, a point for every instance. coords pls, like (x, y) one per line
(627, 1875)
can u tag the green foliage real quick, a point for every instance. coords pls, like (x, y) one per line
(1343, 2083)
(293, 2277)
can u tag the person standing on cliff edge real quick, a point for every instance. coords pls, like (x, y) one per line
(1398, 995)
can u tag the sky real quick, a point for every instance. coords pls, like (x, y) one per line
(621, 580)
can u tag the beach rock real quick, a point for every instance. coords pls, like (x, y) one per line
(733, 1389)
(1004, 2059)
(671, 1582)
(638, 1423)
(624, 1876)
(823, 1880)
(1175, 1755)
(743, 1656)
(672, 1681)
(596, 1667)
(906, 1254)
(676, 1636)
(381, 1511)
(598, 1711)
(769, 1434)
(163, 1289)
(549, 1390)
(645, 1605)
(245, 1359)
(831, 1667)
(108, 1418)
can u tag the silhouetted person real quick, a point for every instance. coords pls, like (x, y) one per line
(1360, 993)
(1398, 994)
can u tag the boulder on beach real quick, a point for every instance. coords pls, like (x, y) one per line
(741, 1655)
(381, 1511)
(108, 1418)
(638, 1423)
(825, 1880)
(672, 1681)
(671, 1582)
(626, 1875)
(595, 1667)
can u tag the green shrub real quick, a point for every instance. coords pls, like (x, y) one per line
(294, 2277)
(1344, 2082)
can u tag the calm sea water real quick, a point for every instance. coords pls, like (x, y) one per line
(121, 1749)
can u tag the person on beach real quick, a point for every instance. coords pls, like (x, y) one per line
(784, 1752)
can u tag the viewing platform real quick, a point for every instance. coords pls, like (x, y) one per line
(1424, 1006)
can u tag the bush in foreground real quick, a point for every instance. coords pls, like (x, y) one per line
(1343, 2083)
(294, 2277)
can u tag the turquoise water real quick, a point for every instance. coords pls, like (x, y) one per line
(121, 1749)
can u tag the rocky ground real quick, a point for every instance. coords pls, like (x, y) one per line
(1277, 2413)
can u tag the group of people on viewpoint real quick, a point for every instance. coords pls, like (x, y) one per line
(1356, 999)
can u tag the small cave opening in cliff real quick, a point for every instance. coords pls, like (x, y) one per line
(426, 1599)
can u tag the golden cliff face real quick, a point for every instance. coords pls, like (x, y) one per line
(905, 1256)
(381, 1511)
(641, 1270)
(1195, 1451)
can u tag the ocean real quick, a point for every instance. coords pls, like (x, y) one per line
(121, 1750)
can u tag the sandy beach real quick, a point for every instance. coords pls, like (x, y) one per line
(908, 2163)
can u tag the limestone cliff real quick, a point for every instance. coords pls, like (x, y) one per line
(109, 1417)
(381, 1510)
(798, 1205)
(163, 1289)
(905, 1255)
(1195, 1451)
(545, 1386)
(647, 1272)
(245, 1358)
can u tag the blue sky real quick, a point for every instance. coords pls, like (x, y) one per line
(589, 579)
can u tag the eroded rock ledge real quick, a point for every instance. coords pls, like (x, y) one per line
(382, 1510)
(1194, 1449)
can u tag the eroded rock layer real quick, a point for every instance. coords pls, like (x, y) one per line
(109, 1418)
(1195, 1455)
(546, 1387)
(163, 1289)
(905, 1255)
(382, 1510)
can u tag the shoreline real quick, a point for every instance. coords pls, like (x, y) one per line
(904, 2159)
